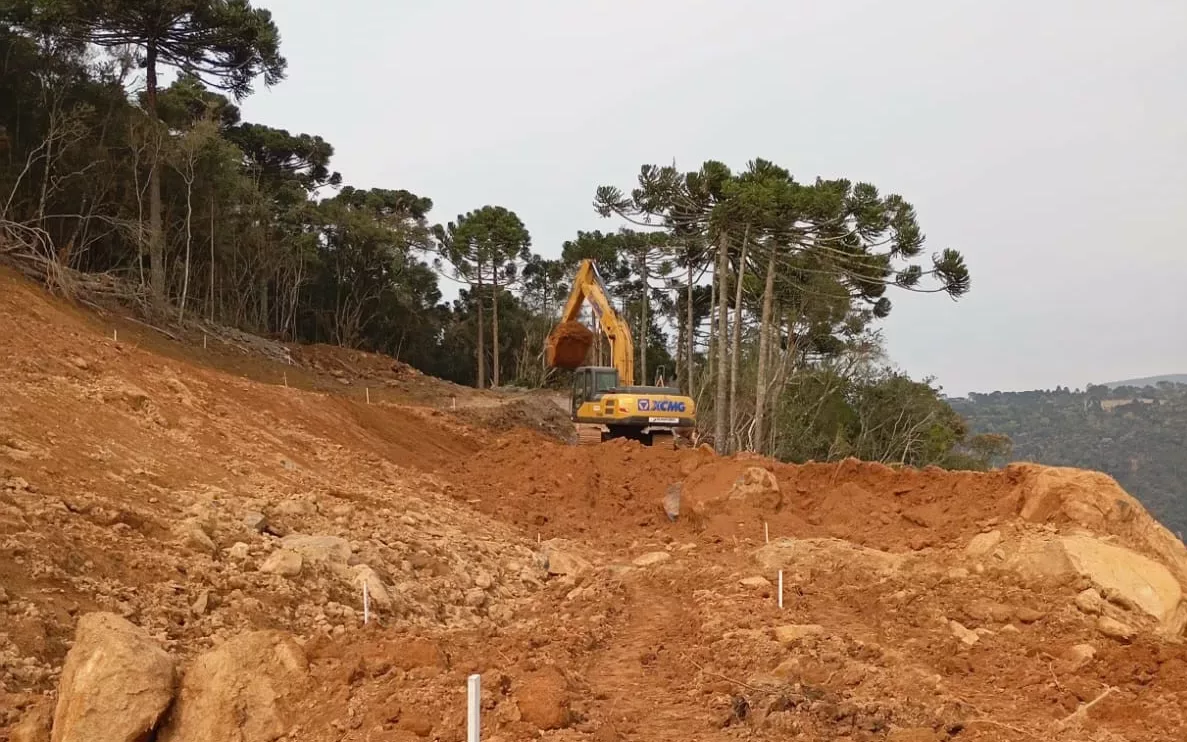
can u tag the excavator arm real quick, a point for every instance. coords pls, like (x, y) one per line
(569, 341)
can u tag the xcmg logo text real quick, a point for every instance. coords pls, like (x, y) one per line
(660, 405)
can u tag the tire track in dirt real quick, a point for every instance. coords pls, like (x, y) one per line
(649, 684)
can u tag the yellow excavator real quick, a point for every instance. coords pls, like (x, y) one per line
(605, 403)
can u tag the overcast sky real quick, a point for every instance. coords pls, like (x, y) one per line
(1046, 140)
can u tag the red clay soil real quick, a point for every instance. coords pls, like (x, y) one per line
(568, 345)
(617, 489)
(131, 475)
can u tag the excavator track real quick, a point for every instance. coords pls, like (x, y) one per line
(589, 435)
(663, 439)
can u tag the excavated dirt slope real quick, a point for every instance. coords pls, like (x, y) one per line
(171, 500)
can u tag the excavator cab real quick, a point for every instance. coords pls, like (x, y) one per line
(591, 383)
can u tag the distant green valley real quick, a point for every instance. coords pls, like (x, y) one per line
(1135, 430)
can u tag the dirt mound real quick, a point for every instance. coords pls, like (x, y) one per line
(159, 490)
(565, 490)
(530, 412)
(568, 345)
(348, 365)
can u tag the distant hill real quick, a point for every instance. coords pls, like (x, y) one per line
(1148, 381)
(1138, 438)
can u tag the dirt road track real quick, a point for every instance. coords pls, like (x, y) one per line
(646, 681)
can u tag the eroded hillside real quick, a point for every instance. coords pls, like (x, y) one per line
(206, 519)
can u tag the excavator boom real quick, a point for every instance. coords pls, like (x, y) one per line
(569, 342)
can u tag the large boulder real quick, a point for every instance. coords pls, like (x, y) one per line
(242, 691)
(1141, 581)
(115, 685)
(1131, 578)
(1095, 501)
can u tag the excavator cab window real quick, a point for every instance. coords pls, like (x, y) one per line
(580, 387)
(604, 381)
(592, 383)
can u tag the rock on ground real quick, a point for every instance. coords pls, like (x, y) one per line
(758, 486)
(983, 543)
(1114, 629)
(331, 549)
(378, 593)
(560, 559)
(544, 699)
(1077, 656)
(963, 633)
(1095, 500)
(791, 633)
(1144, 582)
(826, 553)
(115, 685)
(710, 488)
(242, 691)
(35, 725)
(1140, 581)
(1090, 602)
(652, 558)
(283, 562)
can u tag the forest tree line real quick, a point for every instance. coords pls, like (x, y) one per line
(759, 294)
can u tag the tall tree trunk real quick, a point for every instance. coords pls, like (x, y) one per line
(643, 329)
(189, 240)
(481, 334)
(210, 288)
(736, 346)
(156, 234)
(721, 401)
(783, 318)
(494, 329)
(263, 310)
(711, 341)
(691, 334)
(764, 340)
(679, 347)
(49, 165)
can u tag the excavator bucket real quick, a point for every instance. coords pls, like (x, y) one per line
(568, 344)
